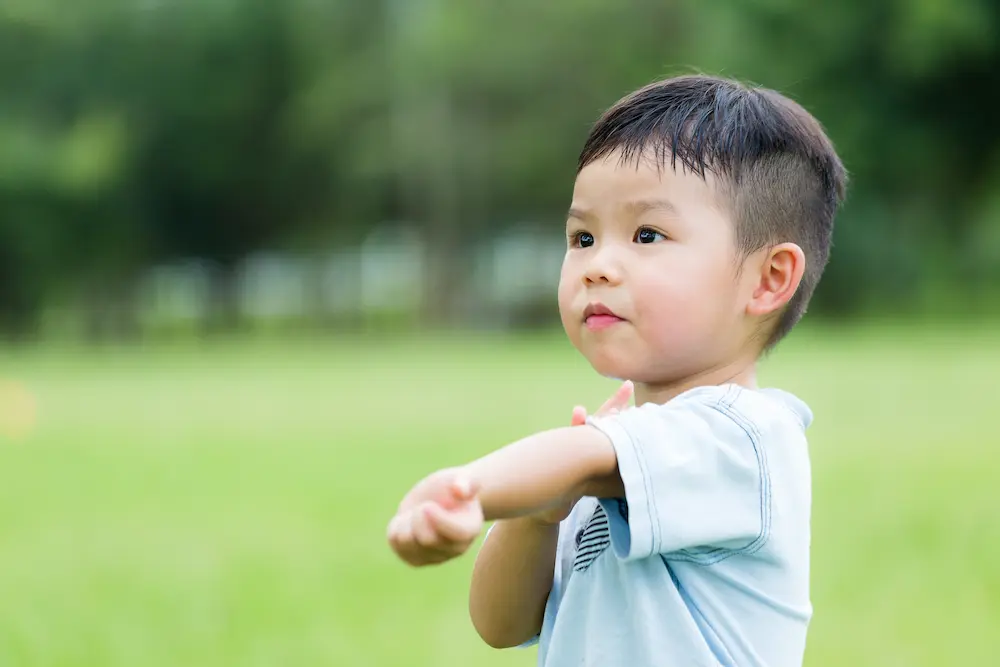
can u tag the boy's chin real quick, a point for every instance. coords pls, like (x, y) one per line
(621, 369)
(615, 362)
(611, 368)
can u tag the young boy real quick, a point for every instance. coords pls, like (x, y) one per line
(675, 532)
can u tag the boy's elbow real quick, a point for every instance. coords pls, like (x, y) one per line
(493, 640)
(502, 640)
(498, 634)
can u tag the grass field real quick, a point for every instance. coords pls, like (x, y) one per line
(226, 504)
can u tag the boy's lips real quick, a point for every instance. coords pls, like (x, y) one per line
(597, 316)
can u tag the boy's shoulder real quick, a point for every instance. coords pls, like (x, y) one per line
(754, 411)
(729, 394)
(706, 468)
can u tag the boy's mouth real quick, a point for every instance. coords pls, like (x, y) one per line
(597, 316)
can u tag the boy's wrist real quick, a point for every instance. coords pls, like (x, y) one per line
(541, 472)
(499, 501)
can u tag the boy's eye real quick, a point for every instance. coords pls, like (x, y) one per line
(647, 235)
(581, 240)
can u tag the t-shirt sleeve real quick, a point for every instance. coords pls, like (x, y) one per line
(695, 478)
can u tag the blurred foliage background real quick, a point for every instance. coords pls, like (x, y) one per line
(318, 241)
(218, 164)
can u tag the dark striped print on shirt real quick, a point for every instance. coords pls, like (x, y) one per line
(592, 540)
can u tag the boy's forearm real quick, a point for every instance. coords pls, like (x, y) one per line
(542, 470)
(511, 581)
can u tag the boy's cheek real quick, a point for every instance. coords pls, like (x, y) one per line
(567, 307)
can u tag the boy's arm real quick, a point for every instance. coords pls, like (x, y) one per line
(543, 470)
(511, 581)
(441, 516)
(696, 475)
(514, 570)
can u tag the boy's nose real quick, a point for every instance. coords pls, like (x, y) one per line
(603, 269)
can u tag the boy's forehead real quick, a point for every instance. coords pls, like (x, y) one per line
(641, 183)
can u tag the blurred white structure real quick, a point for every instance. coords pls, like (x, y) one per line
(386, 274)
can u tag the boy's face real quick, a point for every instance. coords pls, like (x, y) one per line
(649, 288)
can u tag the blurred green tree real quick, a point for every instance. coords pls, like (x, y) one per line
(140, 132)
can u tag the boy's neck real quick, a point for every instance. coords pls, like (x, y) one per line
(741, 372)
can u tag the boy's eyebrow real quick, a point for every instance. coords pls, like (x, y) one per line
(634, 208)
(579, 214)
(637, 208)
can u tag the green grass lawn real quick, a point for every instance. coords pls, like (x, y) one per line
(226, 504)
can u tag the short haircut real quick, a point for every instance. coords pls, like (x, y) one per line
(780, 174)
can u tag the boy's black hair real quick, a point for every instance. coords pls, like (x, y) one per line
(780, 174)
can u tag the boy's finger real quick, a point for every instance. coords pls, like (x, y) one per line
(400, 533)
(424, 533)
(623, 395)
(619, 400)
(392, 528)
(454, 527)
(464, 489)
(579, 416)
(408, 548)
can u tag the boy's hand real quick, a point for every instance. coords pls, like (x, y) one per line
(438, 520)
(615, 404)
(441, 516)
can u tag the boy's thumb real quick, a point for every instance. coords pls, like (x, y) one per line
(465, 488)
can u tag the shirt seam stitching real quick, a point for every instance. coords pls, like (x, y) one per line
(725, 406)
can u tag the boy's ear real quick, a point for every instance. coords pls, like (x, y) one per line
(778, 278)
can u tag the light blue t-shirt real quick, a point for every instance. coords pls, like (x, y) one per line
(706, 561)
